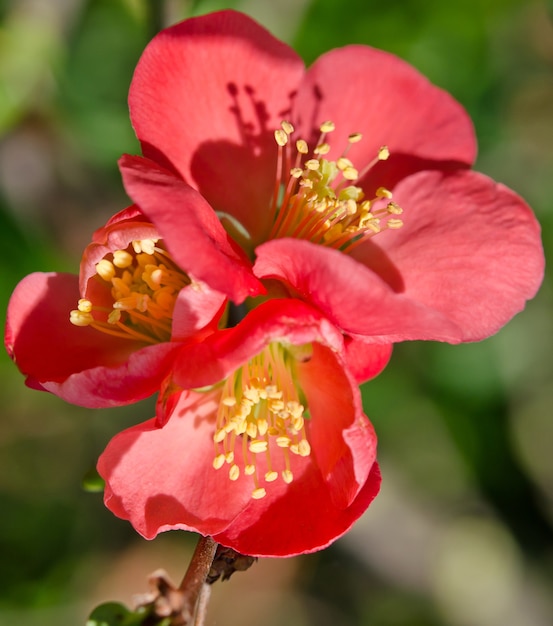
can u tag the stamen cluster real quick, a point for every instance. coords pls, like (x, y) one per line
(144, 284)
(316, 199)
(260, 413)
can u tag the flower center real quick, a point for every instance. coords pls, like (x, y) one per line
(317, 199)
(143, 283)
(260, 414)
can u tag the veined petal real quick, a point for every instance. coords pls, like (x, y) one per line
(205, 98)
(190, 229)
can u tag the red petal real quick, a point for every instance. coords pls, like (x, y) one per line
(342, 439)
(190, 229)
(81, 365)
(162, 478)
(366, 360)
(352, 296)
(365, 90)
(205, 99)
(305, 521)
(469, 249)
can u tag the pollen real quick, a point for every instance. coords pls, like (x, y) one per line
(321, 199)
(143, 283)
(261, 422)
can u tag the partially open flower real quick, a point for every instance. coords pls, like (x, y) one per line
(259, 452)
(109, 336)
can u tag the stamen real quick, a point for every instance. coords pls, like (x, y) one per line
(144, 283)
(260, 406)
(317, 199)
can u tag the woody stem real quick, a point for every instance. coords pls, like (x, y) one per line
(193, 582)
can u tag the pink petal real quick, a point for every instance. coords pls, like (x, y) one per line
(305, 521)
(366, 360)
(205, 99)
(341, 437)
(81, 365)
(162, 478)
(352, 296)
(219, 354)
(190, 229)
(365, 90)
(469, 249)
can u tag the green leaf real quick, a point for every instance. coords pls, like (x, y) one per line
(93, 482)
(115, 614)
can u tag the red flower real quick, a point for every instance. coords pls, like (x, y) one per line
(266, 458)
(109, 337)
(229, 118)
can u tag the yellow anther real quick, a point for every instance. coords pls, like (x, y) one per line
(287, 476)
(296, 172)
(251, 430)
(219, 461)
(350, 173)
(80, 318)
(271, 476)
(304, 449)
(301, 146)
(394, 224)
(394, 208)
(281, 137)
(229, 401)
(382, 192)
(283, 441)
(258, 493)
(312, 164)
(148, 246)
(343, 163)
(262, 427)
(105, 269)
(322, 149)
(114, 316)
(122, 258)
(258, 445)
(84, 305)
(383, 153)
(249, 470)
(327, 127)
(229, 457)
(355, 137)
(219, 435)
(234, 472)
(287, 127)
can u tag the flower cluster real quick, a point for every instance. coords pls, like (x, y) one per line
(289, 225)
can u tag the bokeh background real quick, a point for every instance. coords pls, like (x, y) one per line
(462, 533)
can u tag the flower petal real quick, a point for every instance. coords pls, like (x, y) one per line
(341, 437)
(162, 478)
(353, 297)
(305, 521)
(366, 360)
(469, 249)
(81, 365)
(369, 91)
(205, 98)
(190, 229)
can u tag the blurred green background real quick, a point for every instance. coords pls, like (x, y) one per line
(462, 533)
